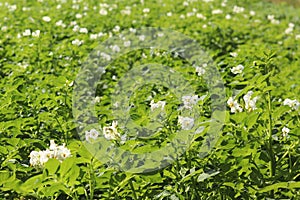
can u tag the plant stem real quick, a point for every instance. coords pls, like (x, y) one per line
(270, 142)
(272, 156)
(91, 180)
(132, 188)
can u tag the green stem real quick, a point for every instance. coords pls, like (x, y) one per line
(91, 180)
(270, 143)
(65, 135)
(133, 191)
(272, 156)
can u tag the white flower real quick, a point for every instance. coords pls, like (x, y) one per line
(45, 155)
(111, 132)
(62, 153)
(285, 131)
(73, 23)
(92, 134)
(146, 10)
(275, 22)
(46, 19)
(190, 101)
(12, 8)
(116, 29)
(105, 56)
(115, 48)
(27, 32)
(60, 23)
(75, 7)
(39, 158)
(83, 30)
(77, 42)
(127, 43)
(100, 34)
(200, 16)
(186, 123)
(36, 33)
(237, 9)
(142, 37)
(23, 65)
(159, 104)
(132, 30)
(76, 28)
(97, 99)
(217, 11)
(228, 16)
(126, 12)
(272, 19)
(252, 13)
(103, 11)
(233, 54)
(234, 105)
(289, 30)
(200, 71)
(249, 102)
(189, 14)
(160, 34)
(294, 104)
(78, 15)
(169, 14)
(297, 37)
(34, 158)
(4, 28)
(53, 146)
(292, 25)
(93, 36)
(237, 70)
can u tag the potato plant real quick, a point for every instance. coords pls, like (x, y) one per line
(92, 109)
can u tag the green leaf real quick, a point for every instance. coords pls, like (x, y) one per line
(66, 165)
(32, 183)
(53, 188)
(4, 176)
(51, 166)
(204, 176)
(276, 186)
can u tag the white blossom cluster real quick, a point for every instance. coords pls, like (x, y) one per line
(92, 134)
(109, 133)
(294, 104)
(237, 9)
(190, 101)
(77, 42)
(285, 132)
(201, 69)
(186, 123)
(39, 158)
(28, 32)
(250, 103)
(159, 104)
(238, 69)
(290, 29)
(234, 105)
(272, 19)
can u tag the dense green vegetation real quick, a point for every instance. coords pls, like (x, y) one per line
(89, 110)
